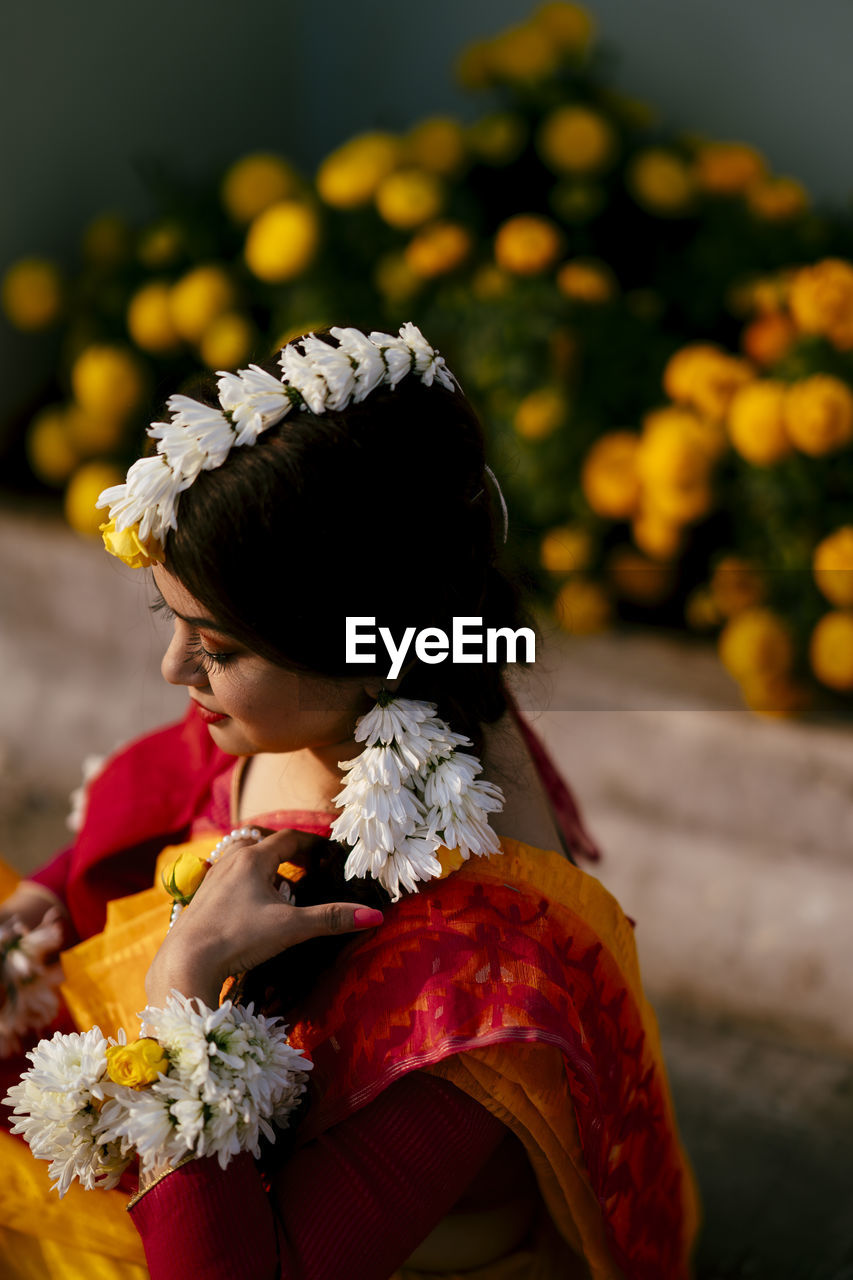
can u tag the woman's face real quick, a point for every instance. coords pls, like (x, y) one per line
(251, 705)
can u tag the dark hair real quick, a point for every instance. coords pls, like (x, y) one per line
(382, 510)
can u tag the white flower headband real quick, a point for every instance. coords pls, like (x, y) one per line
(315, 376)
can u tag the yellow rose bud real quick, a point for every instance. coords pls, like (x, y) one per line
(609, 476)
(254, 183)
(32, 294)
(735, 585)
(137, 1064)
(819, 414)
(831, 650)
(437, 249)
(832, 565)
(576, 140)
(756, 422)
(583, 607)
(126, 545)
(183, 877)
(282, 241)
(84, 488)
(755, 642)
(527, 244)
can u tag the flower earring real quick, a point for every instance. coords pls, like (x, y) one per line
(409, 792)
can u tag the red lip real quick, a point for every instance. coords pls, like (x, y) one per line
(209, 717)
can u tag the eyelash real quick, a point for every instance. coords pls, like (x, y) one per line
(206, 662)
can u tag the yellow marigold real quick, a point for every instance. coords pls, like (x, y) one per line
(819, 414)
(705, 377)
(92, 434)
(566, 549)
(540, 413)
(84, 488)
(184, 875)
(51, 455)
(107, 240)
(821, 300)
(768, 338)
(438, 248)
(149, 318)
(728, 168)
(586, 280)
(831, 650)
(576, 140)
(127, 545)
(228, 342)
(657, 536)
(776, 696)
(437, 144)
(489, 282)
(777, 199)
(408, 198)
(661, 182)
(756, 422)
(638, 579)
(32, 294)
(137, 1064)
(349, 176)
(522, 52)
(583, 607)
(832, 565)
(735, 585)
(609, 476)
(497, 138)
(394, 278)
(682, 502)
(255, 182)
(675, 448)
(108, 382)
(700, 610)
(282, 241)
(527, 244)
(755, 641)
(161, 245)
(570, 26)
(198, 298)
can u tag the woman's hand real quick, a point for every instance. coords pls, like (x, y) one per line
(28, 904)
(237, 920)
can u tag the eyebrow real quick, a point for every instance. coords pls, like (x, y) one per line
(206, 624)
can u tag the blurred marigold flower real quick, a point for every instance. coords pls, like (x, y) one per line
(637, 578)
(395, 279)
(149, 318)
(819, 414)
(522, 52)
(570, 26)
(609, 478)
(821, 300)
(527, 244)
(583, 607)
(254, 183)
(282, 242)
(228, 342)
(32, 294)
(755, 641)
(661, 182)
(566, 549)
(540, 413)
(50, 452)
(768, 338)
(832, 565)
(437, 144)
(108, 382)
(831, 650)
(576, 139)
(756, 422)
(349, 176)
(727, 168)
(777, 199)
(408, 198)
(198, 298)
(85, 487)
(655, 534)
(735, 585)
(705, 377)
(437, 249)
(586, 280)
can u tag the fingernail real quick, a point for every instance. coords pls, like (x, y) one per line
(366, 918)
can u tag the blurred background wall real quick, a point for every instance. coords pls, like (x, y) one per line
(92, 94)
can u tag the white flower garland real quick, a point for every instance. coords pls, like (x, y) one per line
(27, 982)
(409, 792)
(199, 438)
(231, 1075)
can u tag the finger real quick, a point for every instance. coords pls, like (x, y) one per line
(333, 917)
(273, 848)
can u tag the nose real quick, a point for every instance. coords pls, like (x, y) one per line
(178, 665)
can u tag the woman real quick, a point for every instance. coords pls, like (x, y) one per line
(487, 1094)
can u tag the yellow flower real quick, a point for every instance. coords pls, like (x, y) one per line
(108, 382)
(161, 245)
(149, 318)
(819, 414)
(408, 198)
(450, 860)
(676, 449)
(681, 502)
(727, 168)
(755, 642)
(527, 244)
(569, 26)
(661, 182)
(586, 280)
(198, 298)
(769, 338)
(735, 585)
(831, 650)
(583, 607)
(282, 241)
(540, 413)
(228, 341)
(128, 546)
(498, 138)
(92, 434)
(777, 199)
(32, 294)
(490, 282)
(85, 487)
(609, 476)
(50, 452)
(700, 610)
(576, 140)
(705, 377)
(832, 565)
(655, 534)
(638, 579)
(254, 183)
(472, 67)
(774, 695)
(137, 1064)
(522, 52)
(566, 549)
(821, 300)
(437, 145)
(107, 240)
(756, 422)
(394, 278)
(437, 249)
(349, 176)
(183, 877)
